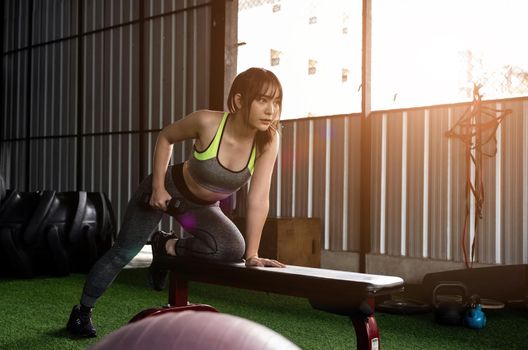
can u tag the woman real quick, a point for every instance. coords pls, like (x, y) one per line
(229, 149)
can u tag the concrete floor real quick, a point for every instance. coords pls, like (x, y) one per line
(143, 259)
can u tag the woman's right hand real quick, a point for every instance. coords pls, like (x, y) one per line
(159, 199)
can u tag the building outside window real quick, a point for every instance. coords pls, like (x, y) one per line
(423, 52)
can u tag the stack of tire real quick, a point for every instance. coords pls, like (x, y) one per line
(53, 233)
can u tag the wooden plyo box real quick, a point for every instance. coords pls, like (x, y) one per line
(293, 241)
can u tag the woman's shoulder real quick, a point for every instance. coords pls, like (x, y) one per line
(206, 118)
(272, 145)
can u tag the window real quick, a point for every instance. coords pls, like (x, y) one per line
(431, 52)
(423, 52)
(314, 47)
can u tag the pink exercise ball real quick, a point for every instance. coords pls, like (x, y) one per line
(194, 330)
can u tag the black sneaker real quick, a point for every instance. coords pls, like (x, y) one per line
(157, 276)
(80, 323)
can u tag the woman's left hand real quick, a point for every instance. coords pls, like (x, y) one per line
(263, 262)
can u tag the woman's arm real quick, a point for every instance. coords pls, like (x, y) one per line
(258, 204)
(187, 128)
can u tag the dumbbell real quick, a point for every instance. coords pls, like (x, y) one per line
(175, 206)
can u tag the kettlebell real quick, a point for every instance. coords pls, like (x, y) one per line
(475, 317)
(450, 312)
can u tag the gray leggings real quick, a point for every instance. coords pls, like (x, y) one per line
(213, 236)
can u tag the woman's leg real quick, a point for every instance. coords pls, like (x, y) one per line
(139, 222)
(213, 235)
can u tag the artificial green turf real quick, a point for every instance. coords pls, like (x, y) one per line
(33, 314)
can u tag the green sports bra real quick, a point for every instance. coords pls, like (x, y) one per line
(205, 168)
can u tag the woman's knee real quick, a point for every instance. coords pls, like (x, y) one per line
(232, 249)
(216, 234)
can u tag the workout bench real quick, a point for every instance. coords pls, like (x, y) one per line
(345, 293)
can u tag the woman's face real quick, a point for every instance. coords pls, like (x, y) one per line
(265, 109)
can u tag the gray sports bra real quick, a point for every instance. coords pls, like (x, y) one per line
(205, 168)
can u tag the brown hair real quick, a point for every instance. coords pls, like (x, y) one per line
(251, 84)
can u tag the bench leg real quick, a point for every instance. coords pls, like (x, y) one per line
(178, 301)
(367, 334)
(178, 290)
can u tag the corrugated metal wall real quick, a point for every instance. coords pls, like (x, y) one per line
(418, 179)
(419, 186)
(65, 113)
